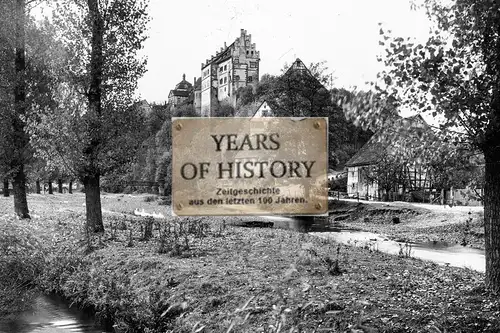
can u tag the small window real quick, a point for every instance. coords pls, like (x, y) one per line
(247, 52)
(221, 81)
(224, 88)
(236, 61)
(236, 78)
(220, 69)
(225, 67)
(225, 79)
(252, 52)
(253, 64)
(250, 79)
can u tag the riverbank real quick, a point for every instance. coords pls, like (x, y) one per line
(419, 223)
(203, 275)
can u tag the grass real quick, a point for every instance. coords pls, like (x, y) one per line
(221, 278)
(417, 225)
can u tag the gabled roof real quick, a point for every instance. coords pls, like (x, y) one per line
(393, 133)
(260, 106)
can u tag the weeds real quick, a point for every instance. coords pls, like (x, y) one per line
(467, 230)
(148, 228)
(405, 251)
(150, 198)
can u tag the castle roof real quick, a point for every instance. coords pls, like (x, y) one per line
(183, 85)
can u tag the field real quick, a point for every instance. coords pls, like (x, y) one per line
(206, 275)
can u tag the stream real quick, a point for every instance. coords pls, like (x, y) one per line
(438, 252)
(50, 314)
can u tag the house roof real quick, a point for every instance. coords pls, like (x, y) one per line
(396, 131)
(260, 105)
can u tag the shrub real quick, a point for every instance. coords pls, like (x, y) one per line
(21, 261)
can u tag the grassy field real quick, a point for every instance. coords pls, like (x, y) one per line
(204, 275)
(419, 223)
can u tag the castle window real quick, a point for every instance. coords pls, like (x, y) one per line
(247, 52)
(252, 52)
(220, 69)
(224, 88)
(253, 64)
(225, 67)
(250, 79)
(225, 79)
(220, 81)
(236, 61)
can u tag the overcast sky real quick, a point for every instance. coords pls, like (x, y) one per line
(343, 33)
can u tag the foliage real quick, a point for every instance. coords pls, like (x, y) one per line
(302, 91)
(21, 261)
(184, 110)
(94, 126)
(454, 76)
(225, 109)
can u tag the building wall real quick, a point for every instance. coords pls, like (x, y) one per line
(197, 101)
(263, 111)
(357, 185)
(206, 84)
(224, 79)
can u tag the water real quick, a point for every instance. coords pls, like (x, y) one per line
(50, 314)
(438, 252)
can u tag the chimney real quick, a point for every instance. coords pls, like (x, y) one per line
(194, 81)
(225, 46)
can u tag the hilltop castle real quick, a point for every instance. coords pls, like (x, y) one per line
(234, 66)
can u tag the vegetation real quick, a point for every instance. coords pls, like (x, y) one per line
(225, 278)
(453, 75)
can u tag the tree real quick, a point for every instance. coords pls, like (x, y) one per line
(95, 124)
(455, 76)
(225, 109)
(15, 139)
(309, 92)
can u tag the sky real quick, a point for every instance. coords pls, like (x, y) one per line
(345, 34)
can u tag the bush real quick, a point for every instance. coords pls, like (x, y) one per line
(21, 261)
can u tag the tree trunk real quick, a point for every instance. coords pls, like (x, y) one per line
(93, 203)
(19, 189)
(51, 191)
(70, 187)
(6, 188)
(492, 219)
(38, 187)
(94, 95)
(60, 186)
(21, 138)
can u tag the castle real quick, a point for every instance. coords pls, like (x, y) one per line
(233, 67)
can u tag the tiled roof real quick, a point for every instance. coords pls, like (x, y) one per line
(398, 130)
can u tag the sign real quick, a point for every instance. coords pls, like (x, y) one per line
(249, 166)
